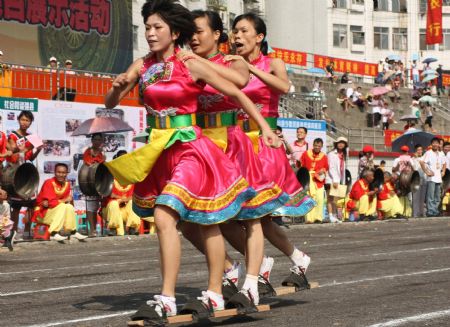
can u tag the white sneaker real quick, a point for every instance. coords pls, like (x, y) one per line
(80, 237)
(334, 220)
(58, 237)
(164, 303)
(210, 297)
(266, 267)
(234, 273)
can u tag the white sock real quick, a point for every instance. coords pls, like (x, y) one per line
(266, 267)
(299, 259)
(251, 284)
(216, 300)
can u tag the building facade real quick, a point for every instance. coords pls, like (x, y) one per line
(362, 30)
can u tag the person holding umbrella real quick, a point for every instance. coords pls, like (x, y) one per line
(434, 165)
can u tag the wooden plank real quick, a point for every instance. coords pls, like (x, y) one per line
(188, 318)
(285, 290)
(314, 285)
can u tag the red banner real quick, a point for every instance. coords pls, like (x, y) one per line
(390, 135)
(343, 65)
(434, 22)
(289, 56)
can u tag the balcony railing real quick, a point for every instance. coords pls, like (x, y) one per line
(45, 83)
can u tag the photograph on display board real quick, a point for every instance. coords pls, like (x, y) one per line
(72, 124)
(58, 148)
(116, 113)
(49, 166)
(113, 142)
(11, 115)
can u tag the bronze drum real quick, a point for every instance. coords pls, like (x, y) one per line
(20, 180)
(95, 180)
(303, 177)
(409, 181)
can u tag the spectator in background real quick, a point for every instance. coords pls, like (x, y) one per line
(54, 206)
(358, 99)
(366, 161)
(69, 66)
(418, 196)
(433, 164)
(382, 165)
(380, 68)
(330, 72)
(93, 155)
(6, 224)
(376, 103)
(336, 174)
(387, 116)
(317, 164)
(415, 72)
(428, 113)
(344, 78)
(52, 65)
(299, 146)
(343, 100)
(287, 147)
(331, 125)
(415, 109)
(440, 84)
(315, 86)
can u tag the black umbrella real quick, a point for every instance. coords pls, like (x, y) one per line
(411, 138)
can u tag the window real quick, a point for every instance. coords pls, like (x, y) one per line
(135, 37)
(445, 45)
(381, 37)
(339, 36)
(400, 39)
(423, 6)
(446, 2)
(340, 4)
(359, 2)
(380, 5)
(399, 6)
(357, 35)
(422, 41)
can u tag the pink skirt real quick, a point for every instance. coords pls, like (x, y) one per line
(269, 196)
(276, 165)
(195, 179)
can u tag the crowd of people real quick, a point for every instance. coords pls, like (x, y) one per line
(210, 170)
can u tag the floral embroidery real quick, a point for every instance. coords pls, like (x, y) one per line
(161, 71)
(207, 101)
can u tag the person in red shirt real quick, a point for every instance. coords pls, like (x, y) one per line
(362, 199)
(93, 155)
(117, 208)
(317, 163)
(4, 152)
(388, 201)
(54, 205)
(22, 150)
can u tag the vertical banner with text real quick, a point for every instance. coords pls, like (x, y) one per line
(434, 22)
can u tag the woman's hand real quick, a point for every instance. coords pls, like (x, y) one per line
(184, 55)
(235, 58)
(120, 82)
(270, 138)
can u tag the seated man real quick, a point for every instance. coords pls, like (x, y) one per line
(54, 206)
(117, 208)
(362, 199)
(388, 201)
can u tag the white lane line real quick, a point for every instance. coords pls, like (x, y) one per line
(66, 322)
(198, 273)
(418, 318)
(423, 272)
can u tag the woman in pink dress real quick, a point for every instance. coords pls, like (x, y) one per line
(180, 174)
(268, 80)
(218, 118)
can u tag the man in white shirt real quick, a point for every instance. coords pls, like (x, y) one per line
(349, 91)
(434, 165)
(418, 197)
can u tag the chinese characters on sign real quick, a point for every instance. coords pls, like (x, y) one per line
(343, 65)
(79, 15)
(434, 22)
(289, 56)
(18, 104)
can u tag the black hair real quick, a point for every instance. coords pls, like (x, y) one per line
(446, 143)
(435, 139)
(318, 140)
(120, 153)
(96, 134)
(303, 128)
(418, 146)
(382, 162)
(179, 18)
(258, 24)
(214, 22)
(61, 164)
(279, 128)
(27, 114)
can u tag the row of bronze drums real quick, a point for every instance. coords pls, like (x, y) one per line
(22, 181)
